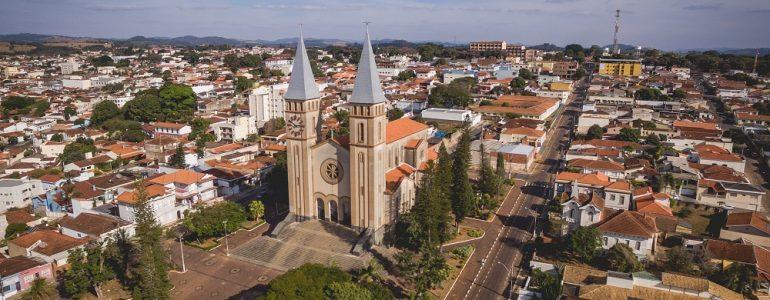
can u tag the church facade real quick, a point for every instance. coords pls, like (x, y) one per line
(364, 180)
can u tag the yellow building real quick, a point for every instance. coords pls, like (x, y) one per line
(561, 86)
(620, 67)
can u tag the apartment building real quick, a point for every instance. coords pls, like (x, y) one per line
(620, 67)
(18, 193)
(488, 46)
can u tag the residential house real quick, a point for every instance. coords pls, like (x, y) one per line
(188, 186)
(17, 274)
(165, 207)
(48, 245)
(634, 229)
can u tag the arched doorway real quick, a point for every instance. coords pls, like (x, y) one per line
(345, 206)
(321, 213)
(333, 211)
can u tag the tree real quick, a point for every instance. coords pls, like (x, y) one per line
(549, 286)
(151, 272)
(450, 95)
(15, 228)
(649, 94)
(242, 84)
(104, 111)
(489, 183)
(518, 84)
(678, 260)
(629, 134)
(595, 132)
(178, 159)
(309, 281)
(58, 137)
(526, 74)
(679, 94)
(395, 114)
(207, 221)
(584, 241)
(405, 75)
(622, 259)
(738, 277)
(500, 167)
(652, 139)
(102, 61)
(425, 272)
(198, 126)
(75, 280)
(40, 289)
(346, 291)
(580, 73)
(462, 192)
(256, 209)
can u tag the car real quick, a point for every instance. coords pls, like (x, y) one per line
(727, 206)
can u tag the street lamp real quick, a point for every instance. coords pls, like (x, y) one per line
(181, 254)
(227, 246)
(510, 279)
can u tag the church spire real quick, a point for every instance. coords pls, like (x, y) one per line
(302, 84)
(367, 89)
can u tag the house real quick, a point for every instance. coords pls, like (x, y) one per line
(171, 129)
(16, 193)
(161, 199)
(726, 253)
(524, 135)
(48, 245)
(581, 210)
(617, 195)
(451, 116)
(586, 283)
(517, 157)
(736, 194)
(188, 186)
(17, 273)
(611, 169)
(93, 225)
(52, 181)
(707, 154)
(634, 229)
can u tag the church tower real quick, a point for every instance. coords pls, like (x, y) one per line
(367, 146)
(301, 112)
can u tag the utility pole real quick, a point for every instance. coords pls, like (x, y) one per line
(181, 254)
(615, 47)
(227, 246)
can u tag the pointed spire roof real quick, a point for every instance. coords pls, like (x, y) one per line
(367, 89)
(302, 84)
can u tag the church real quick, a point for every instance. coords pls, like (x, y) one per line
(365, 180)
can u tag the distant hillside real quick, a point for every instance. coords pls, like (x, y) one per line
(547, 47)
(734, 51)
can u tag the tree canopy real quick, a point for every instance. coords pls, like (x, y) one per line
(584, 242)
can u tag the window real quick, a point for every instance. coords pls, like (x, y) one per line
(622, 200)
(638, 245)
(361, 132)
(605, 241)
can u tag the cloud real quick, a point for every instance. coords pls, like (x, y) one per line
(118, 7)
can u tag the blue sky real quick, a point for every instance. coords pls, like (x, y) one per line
(666, 24)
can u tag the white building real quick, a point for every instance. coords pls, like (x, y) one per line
(451, 115)
(235, 129)
(563, 96)
(76, 82)
(69, 66)
(16, 193)
(160, 198)
(634, 229)
(267, 103)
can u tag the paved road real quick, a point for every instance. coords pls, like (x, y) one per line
(487, 274)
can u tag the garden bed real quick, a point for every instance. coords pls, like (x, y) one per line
(204, 245)
(466, 234)
(249, 225)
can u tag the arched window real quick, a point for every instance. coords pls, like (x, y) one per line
(361, 132)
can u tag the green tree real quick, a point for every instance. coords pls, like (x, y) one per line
(346, 291)
(256, 209)
(405, 75)
(309, 281)
(489, 183)
(629, 134)
(15, 228)
(102, 61)
(178, 159)
(76, 151)
(198, 126)
(40, 289)
(145, 107)
(76, 280)
(584, 243)
(455, 94)
(104, 111)
(462, 191)
(151, 272)
(395, 114)
(208, 221)
(526, 74)
(549, 286)
(678, 260)
(622, 259)
(595, 132)
(423, 273)
(679, 94)
(500, 166)
(242, 84)
(738, 277)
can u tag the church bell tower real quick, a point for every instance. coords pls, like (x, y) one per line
(367, 146)
(301, 113)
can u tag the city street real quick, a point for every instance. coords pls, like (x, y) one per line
(498, 255)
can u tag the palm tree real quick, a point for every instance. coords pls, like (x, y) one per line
(257, 209)
(40, 289)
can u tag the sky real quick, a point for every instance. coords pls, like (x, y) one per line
(663, 24)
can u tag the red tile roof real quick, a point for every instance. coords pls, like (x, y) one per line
(401, 128)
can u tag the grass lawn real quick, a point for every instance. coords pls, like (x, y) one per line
(704, 221)
(205, 245)
(249, 225)
(456, 263)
